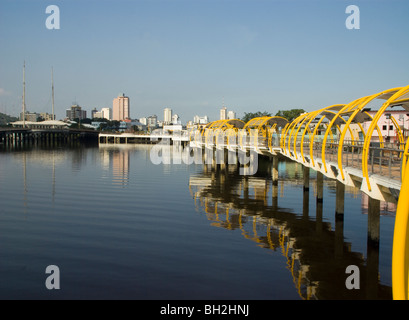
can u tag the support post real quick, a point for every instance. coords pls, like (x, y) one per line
(275, 170)
(340, 197)
(374, 210)
(306, 176)
(320, 186)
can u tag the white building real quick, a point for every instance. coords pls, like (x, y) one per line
(143, 121)
(152, 121)
(106, 113)
(223, 113)
(175, 119)
(200, 120)
(167, 116)
(231, 115)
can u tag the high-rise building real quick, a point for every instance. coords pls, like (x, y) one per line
(167, 116)
(223, 113)
(75, 112)
(231, 115)
(106, 113)
(121, 108)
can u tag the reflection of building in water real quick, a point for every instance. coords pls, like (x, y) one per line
(120, 166)
(316, 254)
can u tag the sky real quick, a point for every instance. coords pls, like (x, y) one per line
(194, 56)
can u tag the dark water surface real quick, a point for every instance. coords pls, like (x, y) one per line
(120, 227)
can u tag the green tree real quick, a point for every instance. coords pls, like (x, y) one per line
(251, 115)
(291, 114)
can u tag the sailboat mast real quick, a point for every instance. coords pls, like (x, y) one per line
(52, 89)
(24, 94)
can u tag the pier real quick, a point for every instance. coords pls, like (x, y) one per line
(13, 136)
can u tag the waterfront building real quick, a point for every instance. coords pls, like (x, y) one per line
(167, 116)
(49, 124)
(46, 116)
(152, 121)
(76, 112)
(175, 128)
(386, 124)
(144, 121)
(130, 125)
(29, 116)
(121, 108)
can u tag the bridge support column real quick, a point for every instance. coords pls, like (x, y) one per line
(275, 171)
(223, 164)
(374, 211)
(373, 247)
(340, 197)
(320, 186)
(306, 176)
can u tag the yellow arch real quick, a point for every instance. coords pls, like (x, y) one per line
(400, 247)
(357, 108)
(394, 99)
(324, 141)
(323, 110)
(261, 125)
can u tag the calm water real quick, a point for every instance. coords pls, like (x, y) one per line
(120, 227)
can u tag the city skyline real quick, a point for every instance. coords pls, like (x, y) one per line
(196, 56)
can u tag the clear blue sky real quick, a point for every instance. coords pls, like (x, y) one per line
(189, 55)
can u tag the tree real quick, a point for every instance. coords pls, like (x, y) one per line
(251, 115)
(290, 115)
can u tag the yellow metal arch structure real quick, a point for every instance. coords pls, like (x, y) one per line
(400, 248)
(264, 127)
(229, 126)
(358, 115)
(394, 97)
(337, 116)
(324, 112)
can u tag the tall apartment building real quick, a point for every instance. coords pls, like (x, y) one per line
(223, 113)
(121, 108)
(75, 112)
(167, 116)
